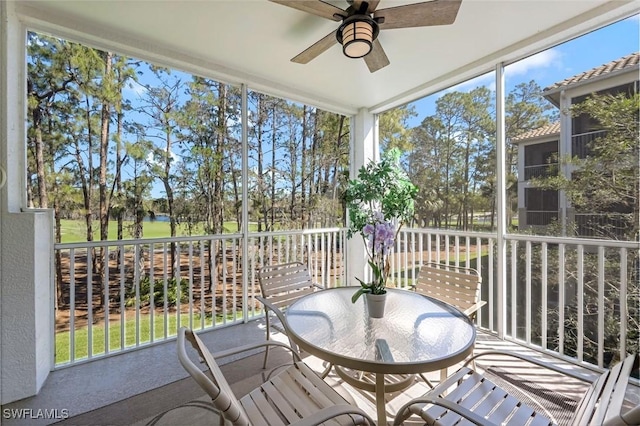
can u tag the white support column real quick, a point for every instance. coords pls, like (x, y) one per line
(245, 204)
(364, 147)
(501, 193)
(26, 238)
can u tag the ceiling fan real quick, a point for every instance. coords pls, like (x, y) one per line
(361, 23)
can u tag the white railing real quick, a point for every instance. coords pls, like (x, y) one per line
(201, 285)
(415, 247)
(573, 297)
(567, 297)
(564, 296)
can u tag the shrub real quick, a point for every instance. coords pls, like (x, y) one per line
(158, 292)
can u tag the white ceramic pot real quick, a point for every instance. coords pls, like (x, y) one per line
(375, 304)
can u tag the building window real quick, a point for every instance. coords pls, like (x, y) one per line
(541, 160)
(585, 129)
(541, 205)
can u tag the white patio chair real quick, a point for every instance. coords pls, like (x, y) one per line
(295, 396)
(468, 397)
(281, 285)
(456, 285)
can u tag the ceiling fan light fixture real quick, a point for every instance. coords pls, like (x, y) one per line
(356, 35)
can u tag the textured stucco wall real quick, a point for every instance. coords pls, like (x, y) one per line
(43, 275)
(25, 237)
(26, 303)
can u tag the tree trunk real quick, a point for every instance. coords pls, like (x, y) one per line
(218, 197)
(43, 196)
(104, 150)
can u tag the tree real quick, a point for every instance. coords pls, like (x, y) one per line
(124, 71)
(48, 76)
(393, 128)
(161, 105)
(427, 170)
(476, 124)
(607, 180)
(525, 109)
(258, 137)
(605, 183)
(453, 156)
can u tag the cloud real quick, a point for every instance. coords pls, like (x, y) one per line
(135, 88)
(151, 159)
(545, 59)
(488, 80)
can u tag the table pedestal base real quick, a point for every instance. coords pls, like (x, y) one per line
(380, 387)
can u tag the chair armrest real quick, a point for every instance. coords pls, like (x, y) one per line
(269, 306)
(474, 308)
(462, 411)
(245, 348)
(535, 361)
(332, 412)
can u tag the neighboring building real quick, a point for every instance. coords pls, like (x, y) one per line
(540, 149)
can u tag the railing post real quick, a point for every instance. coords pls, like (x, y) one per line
(501, 192)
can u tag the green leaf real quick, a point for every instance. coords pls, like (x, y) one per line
(359, 293)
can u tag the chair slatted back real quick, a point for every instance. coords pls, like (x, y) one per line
(215, 385)
(285, 283)
(603, 403)
(296, 395)
(457, 286)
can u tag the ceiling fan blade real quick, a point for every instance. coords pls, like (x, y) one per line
(316, 49)
(377, 59)
(436, 12)
(315, 7)
(371, 7)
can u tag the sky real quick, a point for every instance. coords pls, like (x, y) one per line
(547, 67)
(555, 64)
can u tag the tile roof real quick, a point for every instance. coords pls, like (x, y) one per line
(617, 65)
(548, 130)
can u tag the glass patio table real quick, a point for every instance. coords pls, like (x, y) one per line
(416, 335)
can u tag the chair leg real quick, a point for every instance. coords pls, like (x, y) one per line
(427, 381)
(326, 371)
(266, 351)
(443, 376)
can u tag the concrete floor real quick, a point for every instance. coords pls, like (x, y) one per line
(98, 383)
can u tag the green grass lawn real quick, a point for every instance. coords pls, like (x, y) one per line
(81, 334)
(74, 231)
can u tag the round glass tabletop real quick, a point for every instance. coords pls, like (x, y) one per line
(416, 334)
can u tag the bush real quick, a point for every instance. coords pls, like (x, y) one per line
(158, 292)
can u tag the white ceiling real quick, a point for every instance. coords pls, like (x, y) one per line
(252, 41)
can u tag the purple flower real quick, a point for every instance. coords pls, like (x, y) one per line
(380, 236)
(368, 229)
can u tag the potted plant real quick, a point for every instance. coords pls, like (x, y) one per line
(380, 200)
